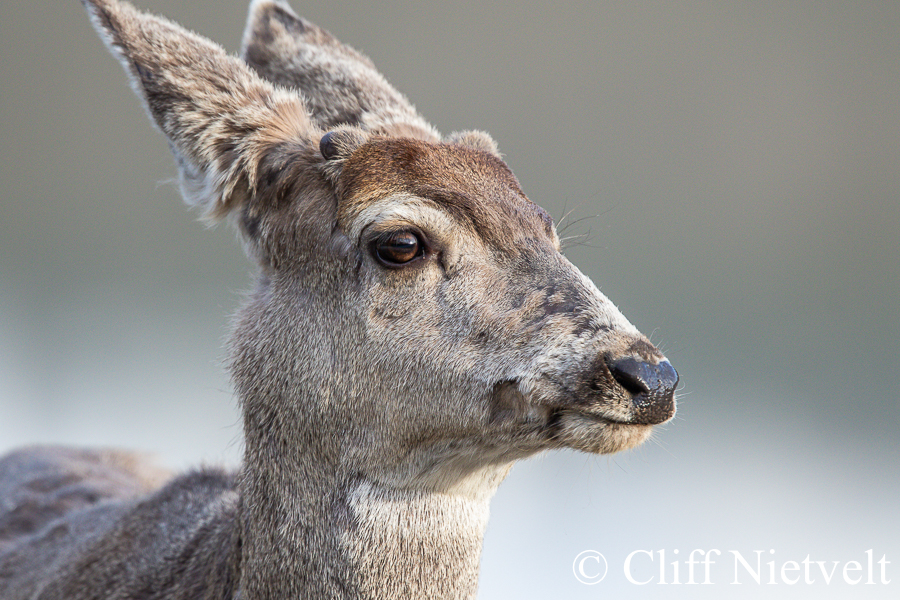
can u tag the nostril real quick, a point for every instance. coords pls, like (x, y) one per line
(640, 377)
(631, 374)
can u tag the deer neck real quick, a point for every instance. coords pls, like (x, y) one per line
(311, 530)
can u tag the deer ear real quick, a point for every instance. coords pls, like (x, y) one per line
(222, 120)
(479, 140)
(340, 85)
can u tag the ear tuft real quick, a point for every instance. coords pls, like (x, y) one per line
(478, 140)
(328, 147)
(336, 147)
(339, 144)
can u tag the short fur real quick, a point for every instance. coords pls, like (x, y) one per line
(382, 404)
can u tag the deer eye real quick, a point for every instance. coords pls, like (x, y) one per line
(398, 248)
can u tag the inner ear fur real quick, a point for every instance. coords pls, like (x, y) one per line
(228, 128)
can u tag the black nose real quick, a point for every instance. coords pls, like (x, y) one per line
(652, 387)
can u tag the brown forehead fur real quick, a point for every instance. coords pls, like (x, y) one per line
(475, 187)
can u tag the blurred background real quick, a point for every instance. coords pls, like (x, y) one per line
(735, 168)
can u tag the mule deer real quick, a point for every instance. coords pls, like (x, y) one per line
(414, 330)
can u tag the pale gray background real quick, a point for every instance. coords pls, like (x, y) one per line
(743, 159)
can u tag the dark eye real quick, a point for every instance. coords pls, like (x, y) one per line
(398, 248)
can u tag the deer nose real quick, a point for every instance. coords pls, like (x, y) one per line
(652, 388)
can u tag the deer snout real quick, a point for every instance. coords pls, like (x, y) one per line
(652, 388)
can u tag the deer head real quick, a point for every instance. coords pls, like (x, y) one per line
(414, 322)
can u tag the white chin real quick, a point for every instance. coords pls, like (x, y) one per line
(599, 436)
